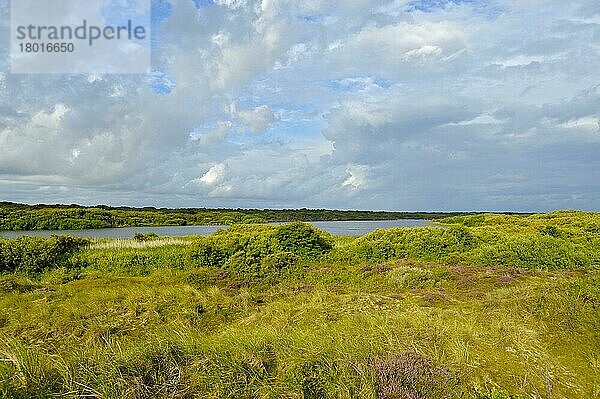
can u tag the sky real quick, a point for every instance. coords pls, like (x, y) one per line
(425, 105)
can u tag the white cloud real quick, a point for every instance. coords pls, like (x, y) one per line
(259, 119)
(233, 4)
(358, 177)
(483, 119)
(215, 175)
(587, 123)
(213, 136)
(374, 107)
(395, 50)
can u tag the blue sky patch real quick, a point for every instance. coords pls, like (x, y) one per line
(161, 10)
(161, 83)
(488, 8)
(203, 3)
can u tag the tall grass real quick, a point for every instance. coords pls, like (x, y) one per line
(121, 243)
(247, 313)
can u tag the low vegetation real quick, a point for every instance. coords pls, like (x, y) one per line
(482, 307)
(74, 217)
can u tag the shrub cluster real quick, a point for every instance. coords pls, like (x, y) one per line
(141, 237)
(425, 243)
(259, 250)
(34, 255)
(498, 240)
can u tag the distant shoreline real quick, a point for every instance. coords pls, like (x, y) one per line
(339, 228)
(19, 217)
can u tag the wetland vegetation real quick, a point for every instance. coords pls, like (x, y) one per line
(491, 306)
(75, 217)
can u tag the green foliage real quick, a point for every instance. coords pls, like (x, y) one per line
(33, 255)
(260, 252)
(131, 261)
(280, 261)
(289, 311)
(303, 240)
(141, 237)
(326, 330)
(559, 240)
(65, 217)
(207, 252)
(528, 251)
(15, 283)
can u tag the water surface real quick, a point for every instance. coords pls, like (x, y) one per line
(338, 228)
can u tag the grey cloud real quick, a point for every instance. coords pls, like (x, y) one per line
(360, 106)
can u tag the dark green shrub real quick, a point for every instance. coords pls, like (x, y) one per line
(526, 251)
(280, 261)
(33, 254)
(303, 240)
(259, 251)
(553, 231)
(593, 228)
(459, 239)
(468, 221)
(428, 244)
(206, 252)
(375, 251)
(242, 265)
(145, 237)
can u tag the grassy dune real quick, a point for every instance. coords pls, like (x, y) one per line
(490, 307)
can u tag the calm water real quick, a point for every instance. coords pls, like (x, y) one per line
(344, 228)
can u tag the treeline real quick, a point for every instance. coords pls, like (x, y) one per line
(74, 217)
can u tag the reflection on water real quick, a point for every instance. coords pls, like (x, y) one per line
(338, 228)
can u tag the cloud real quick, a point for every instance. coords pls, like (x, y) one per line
(213, 136)
(369, 104)
(215, 175)
(259, 119)
(358, 177)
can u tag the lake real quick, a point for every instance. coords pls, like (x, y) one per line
(338, 228)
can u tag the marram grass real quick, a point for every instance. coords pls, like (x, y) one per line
(374, 317)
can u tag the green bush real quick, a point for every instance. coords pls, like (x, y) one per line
(207, 252)
(141, 237)
(499, 240)
(33, 254)
(259, 251)
(303, 240)
(526, 251)
(553, 231)
(280, 261)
